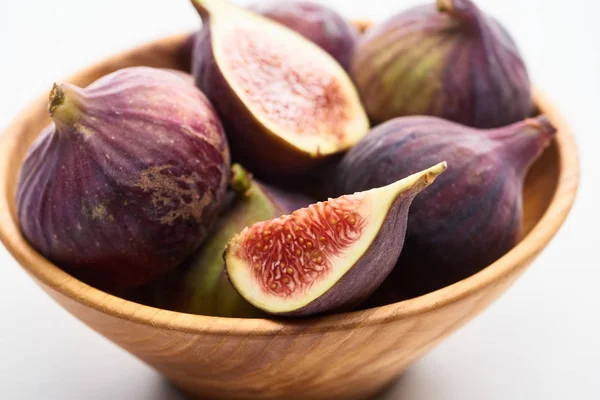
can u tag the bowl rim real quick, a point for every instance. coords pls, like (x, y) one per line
(46, 273)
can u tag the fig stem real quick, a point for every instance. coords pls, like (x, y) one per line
(240, 180)
(57, 97)
(523, 142)
(464, 10)
(542, 124)
(64, 104)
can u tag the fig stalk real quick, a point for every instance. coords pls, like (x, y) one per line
(63, 108)
(459, 9)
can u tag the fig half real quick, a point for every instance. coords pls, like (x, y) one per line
(285, 103)
(329, 256)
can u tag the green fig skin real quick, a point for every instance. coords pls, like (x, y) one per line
(450, 61)
(127, 180)
(201, 286)
(471, 217)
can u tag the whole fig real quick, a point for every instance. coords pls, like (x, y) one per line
(201, 285)
(285, 103)
(453, 62)
(473, 214)
(128, 178)
(316, 22)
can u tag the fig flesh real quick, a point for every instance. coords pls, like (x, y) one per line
(202, 286)
(449, 60)
(127, 180)
(471, 216)
(318, 23)
(329, 256)
(285, 103)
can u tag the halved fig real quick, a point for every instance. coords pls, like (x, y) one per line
(285, 103)
(329, 256)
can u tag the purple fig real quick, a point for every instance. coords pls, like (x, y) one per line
(472, 215)
(127, 180)
(327, 257)
(316, 22)
(285, 103)
(201, 286)
(453, 62)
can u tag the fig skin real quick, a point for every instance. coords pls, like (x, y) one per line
(357, 239)
(472, 216)
(466, 68)
(266, 154)
(201, 285)
(128, 178)
(318, 23)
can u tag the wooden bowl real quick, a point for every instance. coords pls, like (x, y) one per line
(345, 356)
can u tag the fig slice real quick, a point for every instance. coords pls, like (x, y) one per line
(329, 256)
(286, 104)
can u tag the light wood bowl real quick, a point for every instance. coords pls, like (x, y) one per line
(345, 356)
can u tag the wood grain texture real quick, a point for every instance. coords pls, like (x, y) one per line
(346, 356)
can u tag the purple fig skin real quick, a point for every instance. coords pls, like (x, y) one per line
(320, 24)
(448, 60)
(127, 180)
(471, 216)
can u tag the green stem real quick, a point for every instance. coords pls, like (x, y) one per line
(57, 97)
(65, 104)
(240, 180)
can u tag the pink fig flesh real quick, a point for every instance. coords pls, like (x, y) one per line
(285, 103)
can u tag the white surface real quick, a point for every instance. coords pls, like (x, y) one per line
(540, 341)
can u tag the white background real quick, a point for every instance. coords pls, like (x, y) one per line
(540, 341)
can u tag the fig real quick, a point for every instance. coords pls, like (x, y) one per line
(451, 61)
(202, 286)
(285, 103)
(327, 257)
(316, 22)
(472, 215)
(128, 178)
